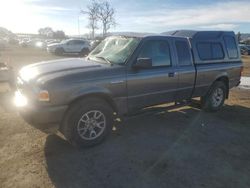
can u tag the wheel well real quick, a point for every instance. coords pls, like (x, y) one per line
(226, 81)
(102, 96)
(85, 48)
(59, 49)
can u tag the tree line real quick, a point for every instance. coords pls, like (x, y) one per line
(48, 32)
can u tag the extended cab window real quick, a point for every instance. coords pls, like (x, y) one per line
(210, 51)
(232, 50)
(158, 51)
(183, 53)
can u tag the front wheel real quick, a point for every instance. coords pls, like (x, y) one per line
(59, 51)
(215, 98)
(88, 122)
(84, 52)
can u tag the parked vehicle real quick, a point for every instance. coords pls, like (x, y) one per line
(70, 46)
(244, 49)
(52, 41)
(95, 43)
(40, 44)
(125, 74)
(25, 42)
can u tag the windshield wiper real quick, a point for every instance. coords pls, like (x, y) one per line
(105, 59)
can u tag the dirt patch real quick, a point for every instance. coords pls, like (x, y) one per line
(17, 56)
(246, 61)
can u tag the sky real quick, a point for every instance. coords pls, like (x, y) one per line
(153, 16)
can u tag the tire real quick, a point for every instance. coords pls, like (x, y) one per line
(85, 116)
(214, 99)
(59, 51)
(84, 51)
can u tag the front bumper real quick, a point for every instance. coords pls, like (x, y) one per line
(44, 118)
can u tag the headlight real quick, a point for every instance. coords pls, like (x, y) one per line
(20, 100)
(43, 96)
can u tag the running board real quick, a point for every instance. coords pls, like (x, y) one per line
(157, 109)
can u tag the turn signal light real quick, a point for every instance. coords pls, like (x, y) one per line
(43, 95)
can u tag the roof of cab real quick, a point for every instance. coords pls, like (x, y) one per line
(199, 34)
(131, 34)
(137, 35)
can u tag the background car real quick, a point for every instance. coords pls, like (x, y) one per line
(95, 43)
(244, 49)
(25, 42)
(70, 46)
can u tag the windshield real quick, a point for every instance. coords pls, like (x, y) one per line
(115, 50)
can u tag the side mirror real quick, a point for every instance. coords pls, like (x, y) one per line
(143, 63)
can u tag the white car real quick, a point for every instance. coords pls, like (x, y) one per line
(70, 46)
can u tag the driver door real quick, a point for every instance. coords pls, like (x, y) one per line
(155, 85)
(70, 47)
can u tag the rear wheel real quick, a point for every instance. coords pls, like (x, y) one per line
(59, 51)
(88, 122)
(215, 98)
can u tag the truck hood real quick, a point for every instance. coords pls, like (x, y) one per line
(36, 70)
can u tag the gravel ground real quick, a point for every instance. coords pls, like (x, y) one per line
(183, 147)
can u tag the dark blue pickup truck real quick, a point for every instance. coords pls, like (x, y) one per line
(125, 74)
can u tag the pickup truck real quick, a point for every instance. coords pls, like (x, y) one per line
(81, 97)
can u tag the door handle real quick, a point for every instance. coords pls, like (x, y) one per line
(117, 82)
(171, 74)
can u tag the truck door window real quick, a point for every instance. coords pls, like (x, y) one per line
(158, 51)
(232, 50)
(183, 53)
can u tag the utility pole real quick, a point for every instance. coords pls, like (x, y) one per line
(78, 21)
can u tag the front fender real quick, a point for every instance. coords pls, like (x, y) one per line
(94, 90)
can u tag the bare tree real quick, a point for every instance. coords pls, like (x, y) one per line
(106, 15)
(92, 12)
(59, 35)
(47, 31)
